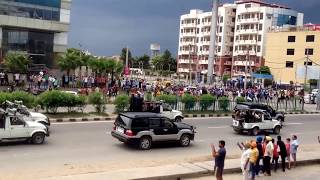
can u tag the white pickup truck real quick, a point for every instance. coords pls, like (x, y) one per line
(13, 128)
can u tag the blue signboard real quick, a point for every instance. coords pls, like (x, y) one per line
(262, 76)
(49, 3)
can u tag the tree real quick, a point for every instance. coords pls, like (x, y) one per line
(225, 78)
(17, 63)
(264, 70)
(145, 60)
(69, 61)
(123, 57)
(166, 61)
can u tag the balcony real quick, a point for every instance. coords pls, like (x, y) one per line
(245, 52)
(229, 63)
(247, 31)
(243, 63)
(206, 33)
(249, 20)
(208, 24)
(187, 43)
(190, 34)
(247, 42)
(183, 70)
(189, 25)
(240, 73)
(203, 62)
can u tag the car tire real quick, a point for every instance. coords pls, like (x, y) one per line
(178, 119)
(281, 120)
(38, 138)
(145, 143)
(277, 130)
(236, 130)
(185, 140)
(255, 131)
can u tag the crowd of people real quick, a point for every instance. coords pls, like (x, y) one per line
(260, 156)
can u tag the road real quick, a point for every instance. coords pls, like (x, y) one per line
(75, 148)
(293, 174)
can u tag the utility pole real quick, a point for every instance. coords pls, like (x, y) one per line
(246, 68)
(190, 68)
(212, 48)
(306, 71)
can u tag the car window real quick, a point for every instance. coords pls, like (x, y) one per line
(15, 121)
(167, 123)
(123, 120)
(2, 122)
(154, 122)
(267, 117)
(166, 107)
(140, 123)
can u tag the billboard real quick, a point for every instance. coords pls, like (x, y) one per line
(313, 72)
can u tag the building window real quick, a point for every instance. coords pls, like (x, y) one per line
(238, 27)
(219, 48)
(258, 49)
(231, 39)
(232, 29)
(310, 38)
(247, 5)
(236, 48)
(259, 38)
(261, 16)
(221, 19)
(231, 48)
(220, 29)
(197, 30)
(234, 10)
(289, 64)
(291, 38)
(260, 27)
(233, 19)
(309, 63)
(290, 52)
(308, 51)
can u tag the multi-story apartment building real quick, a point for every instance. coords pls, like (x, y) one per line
(287, 51)
(254, 18)
(241, 30)
(38, 28)
(194, 41)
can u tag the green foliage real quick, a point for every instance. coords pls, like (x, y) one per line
(70, 60)
(189, 101)
(97, 100)
(165, 61)
(28, 99)
(225, 78)
(206, 100)
(267, 82)
(313, 82)
(142, 60)
(224, 103)
(264, 70)
(16, 63)
(121, 102)
(240, 99)
(148, 96)
(169, 99)
(123, 57)
(52, 100)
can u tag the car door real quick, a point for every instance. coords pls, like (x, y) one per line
(170, 130)
(4, 133)
(18, 128)
(167, 111)
(155, 128)
(267, 121)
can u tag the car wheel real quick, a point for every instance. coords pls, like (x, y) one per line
(38, 138)
(145, 143)
(185, 140)
(178, 119)
(236, 130)
(277, 130)
(281, 120)
(255, 131)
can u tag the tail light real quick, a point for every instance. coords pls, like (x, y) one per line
(129, 133)
(114, 128)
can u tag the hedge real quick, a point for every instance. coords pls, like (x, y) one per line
(189, 101)
(96, 98)
(28, 100)
(224, 103)
(122, 103)
(206, 100)
(169, 99)
(240, 99)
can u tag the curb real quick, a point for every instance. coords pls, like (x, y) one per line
(85, 119)
(203, 171)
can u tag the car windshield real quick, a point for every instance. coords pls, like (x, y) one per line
(249, 116)
(123, 120)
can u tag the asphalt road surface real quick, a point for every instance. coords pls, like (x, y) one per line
(75, 148)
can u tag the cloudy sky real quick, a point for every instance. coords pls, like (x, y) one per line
(104, 27)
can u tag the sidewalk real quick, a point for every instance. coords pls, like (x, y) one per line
(175, 171)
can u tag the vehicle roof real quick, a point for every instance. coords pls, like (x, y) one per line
(140, 114)
(251, 104)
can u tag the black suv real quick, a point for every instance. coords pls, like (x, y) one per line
(143, 128)
(274, 114)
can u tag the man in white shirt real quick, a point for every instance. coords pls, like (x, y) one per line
(244, 162)
(268, 154)
(294, 148)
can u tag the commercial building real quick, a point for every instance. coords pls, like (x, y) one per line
(37, 28)
(289, 50)
(240, 37)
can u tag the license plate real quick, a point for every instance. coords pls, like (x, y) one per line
(120, 130)
(235, 123)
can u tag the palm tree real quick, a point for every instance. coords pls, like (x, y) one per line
(16, 63)
(69, 61)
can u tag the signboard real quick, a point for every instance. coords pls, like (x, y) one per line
(312, 73)
(262, 76)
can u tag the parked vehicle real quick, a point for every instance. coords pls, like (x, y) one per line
(164, 109)
(254, 121)
(14, 128)
(25, 113)
(278, 115)
(144, 128)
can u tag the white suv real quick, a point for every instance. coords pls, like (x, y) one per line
(254, 121)
(14, 128)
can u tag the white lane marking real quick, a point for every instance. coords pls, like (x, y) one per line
(213, 118)
(200, 140)
(293, 123)
(81, 122)
(218, 127)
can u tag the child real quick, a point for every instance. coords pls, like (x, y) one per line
(288, 147)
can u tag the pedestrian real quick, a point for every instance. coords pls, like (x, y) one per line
(219, 158)
(245, 160)
(260, 157)
(282, 152)
(275, 158)
(268, 154)
(288, 148)
(294, 149)
(253, 159)
(318, 101)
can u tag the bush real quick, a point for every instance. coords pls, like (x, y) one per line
(240, 99)
(224, 103)
(206, 101)
(148, 96)
(97, 100)
(27, 99)
(121, 102)
(169, 99)
(189, 101)
(52, 100)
